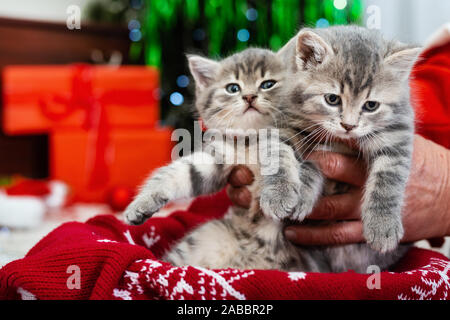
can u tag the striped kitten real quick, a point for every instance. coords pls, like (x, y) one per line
(240, 92)
(348, 82)
(317, 64)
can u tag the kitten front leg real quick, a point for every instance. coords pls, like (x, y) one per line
(292, 192)
(186, 177)
(311, 185)
(384, 194)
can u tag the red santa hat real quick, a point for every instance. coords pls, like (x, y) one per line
(25, 203)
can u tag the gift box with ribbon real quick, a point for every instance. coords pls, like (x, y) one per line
(124, 159)
(38, 99)
(101, 120)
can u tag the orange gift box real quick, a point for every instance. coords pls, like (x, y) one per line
(130, 156)
(37, 99)
(101, 123)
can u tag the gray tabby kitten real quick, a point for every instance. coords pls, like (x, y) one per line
(239, 92)
(327, 75)
(350, 83)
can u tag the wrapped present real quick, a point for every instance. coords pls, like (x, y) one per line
(101, 122)
(38, 99)
(126, 160)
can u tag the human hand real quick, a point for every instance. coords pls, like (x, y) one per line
(427, 204)
(426, 212)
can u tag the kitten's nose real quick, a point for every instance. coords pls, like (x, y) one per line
(249, 98)
(348, 127)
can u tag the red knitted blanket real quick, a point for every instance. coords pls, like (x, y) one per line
(107, 259)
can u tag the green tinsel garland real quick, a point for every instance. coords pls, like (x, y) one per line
(277, 22)
(170, 28)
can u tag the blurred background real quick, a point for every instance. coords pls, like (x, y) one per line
(71, 115)
(159, 32)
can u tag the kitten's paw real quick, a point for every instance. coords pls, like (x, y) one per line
(282, 201)
(383, 233)
(143, 207)
(304, 207)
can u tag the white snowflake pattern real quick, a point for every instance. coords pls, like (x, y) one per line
(127, 235)
(238, 275)
(435, 284)
(295, 276)
(223, 282)
(122, 294)
(133, 284)
(184, 282)
(25, 294)
(151, 238)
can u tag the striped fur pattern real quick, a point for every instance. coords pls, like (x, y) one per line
(350, 83)
(253, 238)
(243, 238)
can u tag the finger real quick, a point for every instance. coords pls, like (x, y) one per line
(340, 167)
(334, 234)
(240, 176)
(345, 206)
(351, 143)
(239, 196)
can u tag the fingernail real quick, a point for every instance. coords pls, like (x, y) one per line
(244, 197)
(245, 176)
(241, 202)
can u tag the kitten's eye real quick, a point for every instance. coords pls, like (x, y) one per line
(233, 88)
(267, 84)
(371, 106)
(332, 99)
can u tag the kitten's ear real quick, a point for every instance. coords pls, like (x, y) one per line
(403, 61)
(311, 50)
(286, 49)
(203, 70)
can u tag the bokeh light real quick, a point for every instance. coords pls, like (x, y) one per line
(322, 23)
(135, 35)
(182, 81)
(243, 35)
(176, 99)
(252, 14)
(340, 4)
(134, 24)
(199, 35)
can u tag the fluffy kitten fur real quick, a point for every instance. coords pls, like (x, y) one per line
(369, 75)
(243, 238)
(319, 62)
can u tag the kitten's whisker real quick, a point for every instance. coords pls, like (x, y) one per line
(298, 145)
(219, 118)
(327, 140)
(316, 145)
(374, 139)
(381, 143)
(309, 151)
(300, 132)
(359, 152)
(311, 140)
(312, 133)
(306, 142)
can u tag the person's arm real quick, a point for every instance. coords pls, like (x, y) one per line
(426, 211)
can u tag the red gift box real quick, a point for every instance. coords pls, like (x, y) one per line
(101, 121)
(130, 156)
(38, 99)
